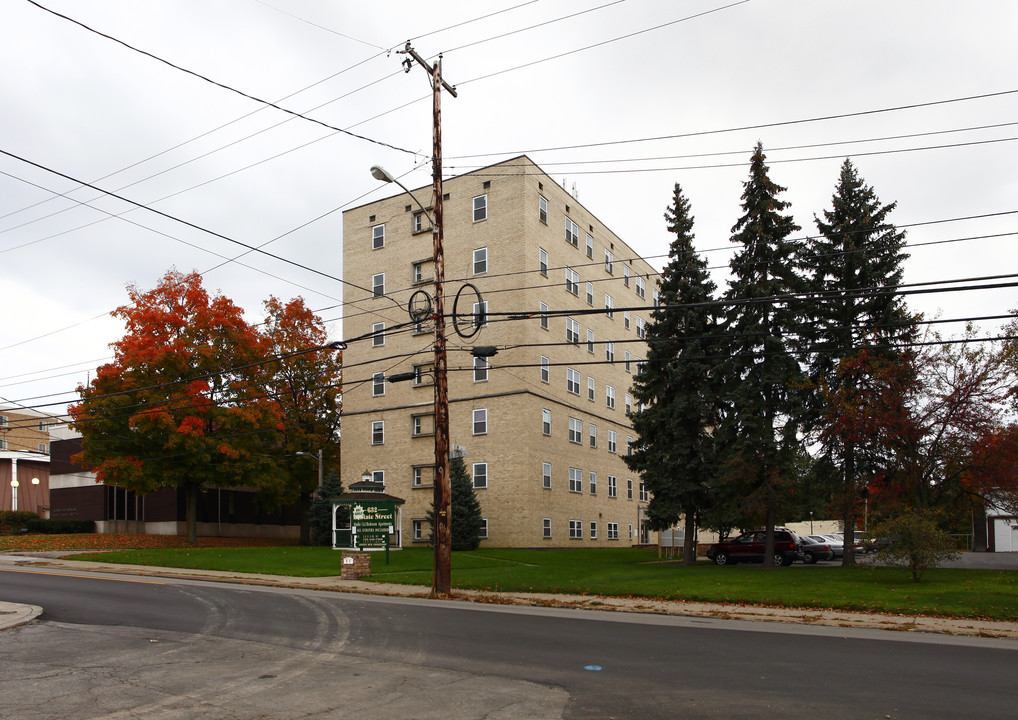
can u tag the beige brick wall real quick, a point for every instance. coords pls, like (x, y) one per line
(514, 502)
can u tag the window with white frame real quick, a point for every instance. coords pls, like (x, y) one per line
(609, 396)
(629, 489)
(378, 384)
(3, 443)
(545, 369)
(480, 475)
(575, 480)
(625, 319)
(422, 476)
(3, 421)
(630, 531)
(609, 306)
(572, 281)
(572, 381)
(546, 527)
(613, 486)
(417, 223)
(590, 340)
(44, 448)
(593, 530)
(629, 403)
(378, 334)
(593, 483)
(629, 360)
(609, 263)
(590, 294)
(420, 272)
(378, 237)
(480, 208)
(575, 530)
(613, 441)
(575, 430)
(542, 262)
(609, 352)
(644, 495)
(417, 530)
(625, 275)
(613, 531)
(378, 432)
(572, 233)
(43, 426)
(593, 435)
(657, 298)
(590, 246)
(546, 421)
(378, 477)
(590, 388)
(480, 369)
(629, 445)
(641, 288)
(545, 324)
(480, 314)
(424, 374)
(572, 331)
(546, 476)
(641, 327)
(481, 421)
(483, 532)
(378, 284)
(480, 261)
(542, 209)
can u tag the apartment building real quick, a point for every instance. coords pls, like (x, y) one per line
(543, 423)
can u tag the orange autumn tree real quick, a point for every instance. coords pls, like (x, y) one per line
(183, 403)
(305, 383)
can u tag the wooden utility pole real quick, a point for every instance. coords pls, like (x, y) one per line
(442, 527)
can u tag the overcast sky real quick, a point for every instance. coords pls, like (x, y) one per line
(619, 100)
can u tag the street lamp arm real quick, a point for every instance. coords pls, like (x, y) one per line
(380, 173)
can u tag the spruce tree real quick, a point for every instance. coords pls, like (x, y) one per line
(320, 511)
(465, 511)
(763, 375)
(854, 268)
(676, 390)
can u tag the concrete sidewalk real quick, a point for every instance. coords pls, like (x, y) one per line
(12, 615)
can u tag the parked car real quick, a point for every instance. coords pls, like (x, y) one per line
(861, 546)
(834, 543)
(749, 547)
(813, 550)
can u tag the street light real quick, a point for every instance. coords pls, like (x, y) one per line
(35, 493)
(320, 475)
(14, 494)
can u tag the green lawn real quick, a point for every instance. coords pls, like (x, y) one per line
(989, 594)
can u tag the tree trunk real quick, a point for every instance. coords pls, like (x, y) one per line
(768, 559)
(305, 520)
(191, 517)
(850, 500)
(689, 540)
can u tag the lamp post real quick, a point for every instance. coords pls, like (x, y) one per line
(321, 477)
(14, 494)
(34, 497)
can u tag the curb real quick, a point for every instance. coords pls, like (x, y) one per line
(13, 615)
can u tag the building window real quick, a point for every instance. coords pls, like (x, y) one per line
(378, 384)
(378, 334)
(613, 486)
(590, 388)
(625, 319)
(657, 298)
(546, 527)
(609, 263)
(593, 530)
(480, 475)
(3, 421)
(641, 328)
(630, 531)
(378, 237)
(542, 262)
(572, 381)
(424, 374)
(44, 448)
(590, 340)
(480, 261)
(572, 233)
(572, 331)
(629, 445)
(629, 403)
(546, 476)
(613, 531)
(609, 396)
(613, 441)
(417, 530)
(641, 287)
(590, 246)
(378, 477)
(575, 530)
(418, 274)
(422, 476)
(3, 443)
(572, 281)
(629, 489)
(378, 284)
(417, 223)
(480, 208)
(593, 435)
(545, 369)
(593, 483)
(609, 306)
(421, 425)
(575, 480)
(43, 426)
(480, 314)
(575, 430)
(378, 432)
(544, 316)
(625, 275)
(481, 421)
(609, 352)
(480, 369)
(644, 495)
(483, 532)
(546, 422)
(542, 209)
(629, 360)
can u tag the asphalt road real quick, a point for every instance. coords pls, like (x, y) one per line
(129, 647)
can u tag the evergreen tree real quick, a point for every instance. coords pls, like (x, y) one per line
(676, 390)
(320, 511)
(466, 510)
(854, 268)
(763, 375)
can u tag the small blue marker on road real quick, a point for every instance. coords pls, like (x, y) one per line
(594, 668)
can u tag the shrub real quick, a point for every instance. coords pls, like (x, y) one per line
(14, 521)
(914, 541)
(60, 527)
(320, 512)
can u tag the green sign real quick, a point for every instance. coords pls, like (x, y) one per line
(373, 522)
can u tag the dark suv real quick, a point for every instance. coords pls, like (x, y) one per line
(749, 547)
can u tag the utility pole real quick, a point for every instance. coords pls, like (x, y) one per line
(442, 530)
